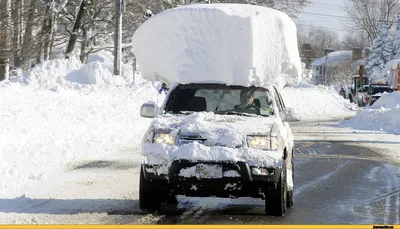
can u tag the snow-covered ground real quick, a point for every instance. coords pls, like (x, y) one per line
(47, 122)
(382, 116)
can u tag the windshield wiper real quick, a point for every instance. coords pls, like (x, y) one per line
(185, 112)
(235, 113)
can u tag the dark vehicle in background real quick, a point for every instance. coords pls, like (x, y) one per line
(375, 91)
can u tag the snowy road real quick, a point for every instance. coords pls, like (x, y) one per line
(341, 177)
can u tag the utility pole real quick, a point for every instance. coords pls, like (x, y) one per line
(5, 31)
(119, 5)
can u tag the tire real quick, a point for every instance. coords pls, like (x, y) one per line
(149, 198)
(290, 193)
(276, 199)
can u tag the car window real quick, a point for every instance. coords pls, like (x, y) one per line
(220, 100)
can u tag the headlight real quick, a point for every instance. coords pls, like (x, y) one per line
(263, 142)
(166, 138)
(258, 142)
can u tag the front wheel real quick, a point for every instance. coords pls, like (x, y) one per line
(149, 199)
(276, 199)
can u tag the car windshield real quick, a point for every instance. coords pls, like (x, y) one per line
(220, 99)
(376, 90)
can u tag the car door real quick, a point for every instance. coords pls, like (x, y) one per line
(281, 107)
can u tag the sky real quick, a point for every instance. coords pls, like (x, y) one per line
(321, 13)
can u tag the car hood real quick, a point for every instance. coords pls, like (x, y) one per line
(213, 129)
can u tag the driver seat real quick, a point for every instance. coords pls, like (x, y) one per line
(197, 104)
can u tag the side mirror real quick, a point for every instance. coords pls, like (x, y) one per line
(148, 110)
(291, 115)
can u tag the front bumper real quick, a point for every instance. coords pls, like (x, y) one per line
(247, 184)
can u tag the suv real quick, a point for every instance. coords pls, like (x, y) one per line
(214, 140)
(375, 91)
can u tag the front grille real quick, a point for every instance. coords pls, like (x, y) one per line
(186, 139)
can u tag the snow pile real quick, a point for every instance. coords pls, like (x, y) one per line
(235, 44)
(383, 115)
(72, 74)
(225, 130)
(162, 153)
(43, 130)
(225, 134)
(317, 102)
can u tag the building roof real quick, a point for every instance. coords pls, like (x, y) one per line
(333, 57)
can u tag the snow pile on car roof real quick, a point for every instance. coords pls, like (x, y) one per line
(236, 44)
(383, 115)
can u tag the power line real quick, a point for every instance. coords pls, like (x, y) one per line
(324, 27)
(346, 18)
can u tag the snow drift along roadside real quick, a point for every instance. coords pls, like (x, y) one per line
(317, 103)
(236, 44)
(383, 115)
(42, 129)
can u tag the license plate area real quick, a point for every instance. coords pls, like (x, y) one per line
(208, 171)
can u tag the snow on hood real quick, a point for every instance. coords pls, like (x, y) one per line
(226, 130)
(161, 154)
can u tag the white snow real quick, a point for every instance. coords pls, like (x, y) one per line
(383, 115)
(334, 57)
(48, 122)
(224, 130)
(314, 102)
(196, 152)
(232, 43)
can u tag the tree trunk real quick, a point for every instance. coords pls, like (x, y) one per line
(84, 46)
(76, 29)
(48, 35)
(5, 31)
(44, 39)
(27, 38)
(16, 31)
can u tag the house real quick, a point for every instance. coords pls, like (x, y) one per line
(327, 66)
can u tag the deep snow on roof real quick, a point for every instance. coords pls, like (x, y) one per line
(333, 57)
(236, 44)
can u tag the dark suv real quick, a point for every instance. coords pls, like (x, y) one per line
(375, 91)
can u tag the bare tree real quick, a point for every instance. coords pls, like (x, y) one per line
(367, 15)
(5, 31)
(355, 40)
(341, 73)
(318, 38)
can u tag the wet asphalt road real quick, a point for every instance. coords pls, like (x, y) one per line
(335, 183)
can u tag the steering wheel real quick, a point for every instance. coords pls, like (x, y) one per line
(251, 106)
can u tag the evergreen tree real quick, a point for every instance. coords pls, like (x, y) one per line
(381, 53)
(396, 43)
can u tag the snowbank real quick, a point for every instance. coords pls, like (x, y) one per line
(43, 129)
(232, 43)
(383, 115)
(317, 102)
(72, 74)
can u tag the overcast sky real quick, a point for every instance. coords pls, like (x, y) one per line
(328, 9)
